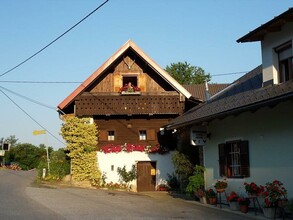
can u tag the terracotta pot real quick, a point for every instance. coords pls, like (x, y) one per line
(220, 190)
(244, 208)
(213, 201)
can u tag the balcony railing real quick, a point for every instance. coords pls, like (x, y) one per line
(90, 104)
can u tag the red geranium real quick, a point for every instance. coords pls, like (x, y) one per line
(233, 197)
(252, 188)
(272, 192)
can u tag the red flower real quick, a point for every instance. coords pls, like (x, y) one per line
(232, 197)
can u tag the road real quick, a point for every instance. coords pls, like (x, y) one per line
(21, 200)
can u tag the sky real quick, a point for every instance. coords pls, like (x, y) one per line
(200, 32)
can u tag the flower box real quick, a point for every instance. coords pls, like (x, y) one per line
(130, 93)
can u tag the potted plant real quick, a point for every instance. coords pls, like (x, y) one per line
(129, 89)
(252, 189)
(221, 185)
(272, 192)
(243, 204)
(233, 201)
(211, 196)
(196, 182)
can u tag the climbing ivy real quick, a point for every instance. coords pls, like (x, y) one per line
(81, 139)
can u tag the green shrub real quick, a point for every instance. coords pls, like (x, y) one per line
(59, 166)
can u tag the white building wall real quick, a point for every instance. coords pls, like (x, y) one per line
(164, 164)
(269, 56)
(270, 135)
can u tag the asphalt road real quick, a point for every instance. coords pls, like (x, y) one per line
(21, 200)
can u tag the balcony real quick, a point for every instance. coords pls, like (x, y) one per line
(90, 104)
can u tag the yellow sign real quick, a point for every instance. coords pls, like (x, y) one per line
(37, 132)
(153, 172)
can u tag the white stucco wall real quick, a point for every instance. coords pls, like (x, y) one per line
(269, 56)
(164, 164)
(270, 135)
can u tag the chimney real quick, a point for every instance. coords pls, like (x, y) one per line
(207, 93)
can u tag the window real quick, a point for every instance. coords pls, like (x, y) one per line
(129, 79)
(234, 159)
(111, 135)
(285, 62)
(142, 135)
(5, 146)
(147, 134)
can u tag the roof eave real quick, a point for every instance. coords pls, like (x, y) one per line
(238, 110)
(258, 33)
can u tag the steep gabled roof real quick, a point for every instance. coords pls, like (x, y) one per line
(198, 90)
(244, 94)
(129, 44)
(274, 25)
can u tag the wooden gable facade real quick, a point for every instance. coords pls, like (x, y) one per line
(128, 117)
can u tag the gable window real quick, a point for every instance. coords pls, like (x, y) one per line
(111, 135)
(234, 159)
(285, 62)
(129, 79)
(142, 135)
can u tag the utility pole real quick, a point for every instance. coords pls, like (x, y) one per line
(38, 132)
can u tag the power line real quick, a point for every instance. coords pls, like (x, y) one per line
(38, 82)
(226, 74)
(28, 99)
(32, 117)
(76, 82)
(18, 65)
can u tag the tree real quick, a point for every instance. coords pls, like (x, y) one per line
(186, 74)
(127, 176)
(81, 138)
(59, 165)
(26, 155)
(183, 168)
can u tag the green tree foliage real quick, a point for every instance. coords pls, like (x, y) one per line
(27, 156)
(186, 74)
(183, 168)
(81, 139)
(59, 165)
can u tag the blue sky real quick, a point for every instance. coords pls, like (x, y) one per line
(203, 33)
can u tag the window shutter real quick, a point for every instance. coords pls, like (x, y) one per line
(103, 135)
(244, 159)
(222, 159)
(151, 134)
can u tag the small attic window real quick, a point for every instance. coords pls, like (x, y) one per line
(129, 79)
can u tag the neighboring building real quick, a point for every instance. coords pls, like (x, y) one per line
(247, 128)
(201, 91)
(130, 98)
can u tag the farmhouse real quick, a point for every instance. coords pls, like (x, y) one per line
(131, 98)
